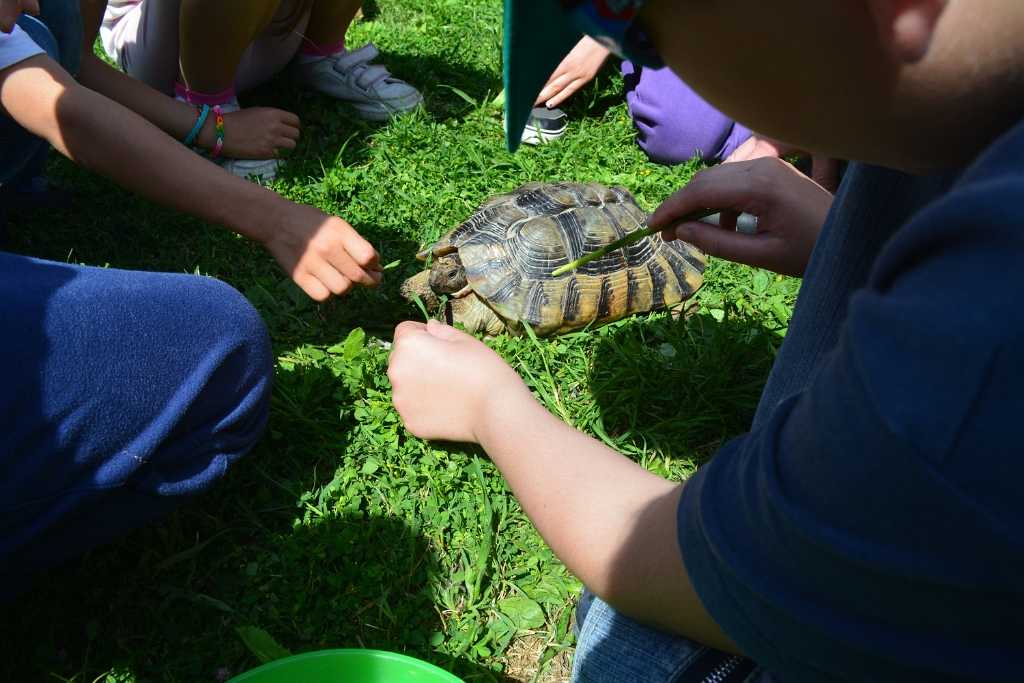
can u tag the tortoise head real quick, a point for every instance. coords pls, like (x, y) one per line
(447, 276)
(419, 286)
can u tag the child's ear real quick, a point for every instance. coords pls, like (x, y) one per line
(906, 27)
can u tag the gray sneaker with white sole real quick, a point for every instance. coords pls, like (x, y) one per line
(544, 125)
(349, 76)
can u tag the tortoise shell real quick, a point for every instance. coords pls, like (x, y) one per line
(511, 245)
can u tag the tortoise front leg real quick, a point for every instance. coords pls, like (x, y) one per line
(475, 316)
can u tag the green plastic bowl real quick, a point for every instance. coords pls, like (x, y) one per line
(347, 666)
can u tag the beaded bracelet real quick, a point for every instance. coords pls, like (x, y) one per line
(201, 114)
(218, 125)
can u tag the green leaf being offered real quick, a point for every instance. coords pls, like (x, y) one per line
(524, 612)
(261, 644)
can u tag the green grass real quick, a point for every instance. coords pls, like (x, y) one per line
(341, 530)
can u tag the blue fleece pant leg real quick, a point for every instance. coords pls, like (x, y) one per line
(121, 394)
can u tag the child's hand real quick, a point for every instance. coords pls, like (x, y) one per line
(446, 384)
(323, 254)
(577, 69)
(790, 208)
(254, 133)
(10, 10)
(824, 171)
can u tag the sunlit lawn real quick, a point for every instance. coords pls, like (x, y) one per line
(341, 530)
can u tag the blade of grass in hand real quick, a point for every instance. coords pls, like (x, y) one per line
(632, 237)
(422, 306)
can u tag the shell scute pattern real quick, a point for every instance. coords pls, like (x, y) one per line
(510, 246)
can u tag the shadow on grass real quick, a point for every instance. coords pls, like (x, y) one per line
(164, 604)
(435, 78)
(300, 540)
(333, 134)
(681, 385)
(294, 318)
(110, 226)
(371, 10)
(595, 99)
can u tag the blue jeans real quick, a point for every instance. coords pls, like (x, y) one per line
(58, 31)
(871, 204)
(612, 647)
(122, 394)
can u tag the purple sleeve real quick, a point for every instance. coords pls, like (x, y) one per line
(673, 123)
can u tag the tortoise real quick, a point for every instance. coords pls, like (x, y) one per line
(496, 267)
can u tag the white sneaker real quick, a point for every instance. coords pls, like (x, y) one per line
(263, 170)
(349, 76)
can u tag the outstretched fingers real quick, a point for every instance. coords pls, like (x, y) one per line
(313, 287)
(726, 243)
(334, 281)
(408, 327)
(729, 187)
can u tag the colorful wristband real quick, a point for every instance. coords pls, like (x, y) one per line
(201, 114)
(218, 125)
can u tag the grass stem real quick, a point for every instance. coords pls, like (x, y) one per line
(631, 238)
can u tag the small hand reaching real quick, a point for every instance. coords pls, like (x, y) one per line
(790, 207)
(446, 384)
(757, 147)
(824, 171)
(323, 254)
(254, 133)
(578, 68)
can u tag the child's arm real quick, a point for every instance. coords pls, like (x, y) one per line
(611, 522)
(252, 133)
(323, 254)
